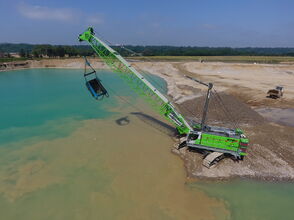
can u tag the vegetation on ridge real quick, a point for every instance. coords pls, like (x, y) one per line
(26, 50)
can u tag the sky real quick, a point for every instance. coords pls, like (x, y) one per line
(213, 23)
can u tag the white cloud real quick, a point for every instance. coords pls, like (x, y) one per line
(45, 13)
(58, 14)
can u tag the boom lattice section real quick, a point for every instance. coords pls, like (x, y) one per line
(135, 80)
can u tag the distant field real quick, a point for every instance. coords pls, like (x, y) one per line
(229, 59)
(4, 60)
(237, 59)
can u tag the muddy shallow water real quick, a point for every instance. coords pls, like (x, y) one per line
(64, 155)
(278, 115)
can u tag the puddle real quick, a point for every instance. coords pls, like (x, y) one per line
(278, 115)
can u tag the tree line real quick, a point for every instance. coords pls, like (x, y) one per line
(61, 51)
(47, 50)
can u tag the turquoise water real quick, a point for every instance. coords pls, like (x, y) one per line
(31, 100)
(62, 156)
(28, 100)
(250, 200)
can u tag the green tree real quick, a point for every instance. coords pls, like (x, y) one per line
(22, 53)
(60, 51)
(36, 53)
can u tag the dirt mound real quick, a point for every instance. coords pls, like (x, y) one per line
(270, 153)
(224, 110)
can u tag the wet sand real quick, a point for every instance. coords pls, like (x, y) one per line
(278, 115)
(102, 169)
(121, 168)
(64, 155)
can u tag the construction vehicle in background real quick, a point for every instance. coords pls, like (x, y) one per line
(276, 93)
(194, 135)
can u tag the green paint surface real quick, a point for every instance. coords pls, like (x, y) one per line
(226, 143)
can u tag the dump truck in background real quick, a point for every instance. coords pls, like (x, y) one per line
(276, 93)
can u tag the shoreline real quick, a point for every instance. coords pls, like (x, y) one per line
(269, 159)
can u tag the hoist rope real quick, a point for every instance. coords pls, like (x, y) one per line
(226, 111)
(215, 93)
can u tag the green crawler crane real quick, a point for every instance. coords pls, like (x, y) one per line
(211, 139)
